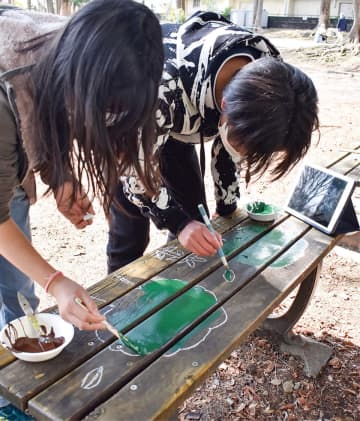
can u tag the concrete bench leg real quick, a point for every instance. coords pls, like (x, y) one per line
(314, 354)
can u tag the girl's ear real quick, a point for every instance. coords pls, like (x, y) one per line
(222, 104)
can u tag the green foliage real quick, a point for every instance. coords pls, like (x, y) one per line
(77, 3)
(227, 13)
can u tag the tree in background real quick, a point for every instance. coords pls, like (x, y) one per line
(324, 17)
(257, 17)
(354, 35)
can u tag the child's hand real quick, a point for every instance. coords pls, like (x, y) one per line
(65, 291)
(78, 212)
(199, 240)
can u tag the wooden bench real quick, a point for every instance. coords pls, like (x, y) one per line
(193, 322)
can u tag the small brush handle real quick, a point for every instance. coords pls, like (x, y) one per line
(112, 329)
(212, 230)
(108, 326)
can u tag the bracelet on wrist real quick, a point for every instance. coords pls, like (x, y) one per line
(51, 278)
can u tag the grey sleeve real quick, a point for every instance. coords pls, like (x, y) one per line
(8, 158)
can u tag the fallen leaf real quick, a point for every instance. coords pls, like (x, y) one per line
(335, 363)
(270, 365)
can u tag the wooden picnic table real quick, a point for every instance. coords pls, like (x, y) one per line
(180, 309)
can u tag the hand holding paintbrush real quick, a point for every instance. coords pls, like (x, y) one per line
(229, 274)
(113, 330)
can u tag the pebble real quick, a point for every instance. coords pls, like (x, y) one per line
(288, 386)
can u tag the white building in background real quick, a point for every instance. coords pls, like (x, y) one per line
(297, 7)
(272, 7)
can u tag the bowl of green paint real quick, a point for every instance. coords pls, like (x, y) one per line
(261, 211)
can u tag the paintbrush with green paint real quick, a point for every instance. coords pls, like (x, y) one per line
(113, 330)
(229, 274)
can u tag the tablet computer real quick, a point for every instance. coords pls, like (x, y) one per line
(320, 196)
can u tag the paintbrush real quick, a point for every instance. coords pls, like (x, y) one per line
(113, 330)
(29, 312)
(212, 230)
(88, 216)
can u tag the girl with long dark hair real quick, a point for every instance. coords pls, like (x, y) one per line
(77, 105)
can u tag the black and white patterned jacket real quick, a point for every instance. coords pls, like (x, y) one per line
(194, 55)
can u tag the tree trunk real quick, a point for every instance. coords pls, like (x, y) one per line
(58, 6)
(180, 4)
(258, 16)
(28, 4)
(50, 6)
(354, 35)
(324, 17)
(255, 10)
(65, 9)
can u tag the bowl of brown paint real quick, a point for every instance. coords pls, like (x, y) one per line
(30, 344)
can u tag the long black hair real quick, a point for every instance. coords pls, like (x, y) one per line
(105, 64)
(271, 107)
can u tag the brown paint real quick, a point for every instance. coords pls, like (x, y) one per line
(45, 342)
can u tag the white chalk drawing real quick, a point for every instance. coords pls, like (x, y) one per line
(98, 299)
(168, 253)
(191, 260)
(93, 378)
(209, 329)
(217, 225)
(193, 342)
(122, 278)
(99, 333)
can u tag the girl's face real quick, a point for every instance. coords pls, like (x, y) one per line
(238, 153)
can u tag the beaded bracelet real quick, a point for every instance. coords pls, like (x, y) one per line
(51, 279)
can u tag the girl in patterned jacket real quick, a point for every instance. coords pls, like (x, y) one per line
(224, 84)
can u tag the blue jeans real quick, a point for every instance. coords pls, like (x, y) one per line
(11, 279)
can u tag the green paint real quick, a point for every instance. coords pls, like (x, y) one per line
(241, 236)
(261, 208)
(229, 275)
(125, 340)
(269, 245)
(158, 329)
(294, 253)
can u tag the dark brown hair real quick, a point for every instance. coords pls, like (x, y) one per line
(271, 107)
(107, 59)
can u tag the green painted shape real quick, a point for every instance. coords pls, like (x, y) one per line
(229, 275)
(268, 246)
(163, 325)
(241, 236)
(294, 253)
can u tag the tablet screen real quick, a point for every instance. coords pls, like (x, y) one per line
(319, 196)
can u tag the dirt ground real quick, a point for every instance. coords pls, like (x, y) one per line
(258, 382)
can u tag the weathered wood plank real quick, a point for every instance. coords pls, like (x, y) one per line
(329, 159)
(355, 175)
(347, 165)
(147, 266)
(158, 390)
(25, 381)
(6, 357)
(110, 369)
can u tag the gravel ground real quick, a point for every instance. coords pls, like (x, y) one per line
(258, 382)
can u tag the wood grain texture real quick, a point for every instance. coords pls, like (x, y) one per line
(145, 398)
(25, 381)
(6, 357)
(117, 369)
(88, 372)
